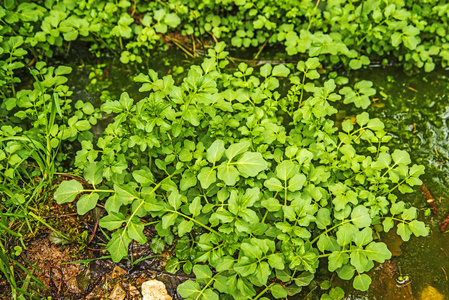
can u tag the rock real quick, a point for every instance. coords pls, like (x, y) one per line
(133, 291)
(117, 272)
(431, 293)
(117, 293)
(155, 290)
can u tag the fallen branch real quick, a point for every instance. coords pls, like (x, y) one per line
(429, 198)
(444, 224)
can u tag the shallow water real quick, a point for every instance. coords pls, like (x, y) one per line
(415, 110)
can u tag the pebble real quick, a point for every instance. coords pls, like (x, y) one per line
(117, 293)
(155, 290)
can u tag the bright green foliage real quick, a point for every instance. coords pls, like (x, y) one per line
(265, 180)
(38, 122)
(267, 196)
(353, 33)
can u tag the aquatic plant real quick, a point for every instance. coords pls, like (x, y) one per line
(259, 186)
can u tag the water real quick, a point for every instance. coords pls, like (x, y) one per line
(415, 110)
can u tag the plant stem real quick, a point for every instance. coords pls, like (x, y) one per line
(47, 225)
(264, 291)
(197, 222)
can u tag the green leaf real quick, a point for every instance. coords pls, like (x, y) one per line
(345, 234)
(323, 218)
(375, 124)
(362, 282)
(278, 291)
(411, 41)
(228, 173)
(188, 180)
(207, 176)
(276, 261)
(94, 173)
(250, 164)
(409, 213)
(265, 70)
(363, 237)
(135, 231)
(336, 260)
(175, 199)
(215, 151)
(383, 161)
(388, 224)
(401, 157)
(263, 271)
(273, 184)
(169, 220)
(304, 279)
(86, 203)
(404, 231)
(143, 176)
(245, 266)
(125, 194)
(67, 191)
(418, 228)
(396, 39)
(271, 204)
(360, 216)
(363, 118)
(195, 207)
(378, 252)
(296, 182)
(236, 149)
(285, 170)
(172, 20)
(189, 289)
(346, 272)
(172, 265)
(397, 208)
(359, 260)
(336, 293)
(220, 284)
(112, 221)
(118, 245)
(184, 227)
(251, 251)
(280, 71)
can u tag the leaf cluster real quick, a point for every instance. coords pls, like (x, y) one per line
(413, 33)
(248, 185)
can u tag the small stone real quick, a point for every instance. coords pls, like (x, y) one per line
(133, 291)
(117, 293)
(117, 272)
(431, 293)
(155, 290)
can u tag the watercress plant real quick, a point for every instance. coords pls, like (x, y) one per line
(253, 187)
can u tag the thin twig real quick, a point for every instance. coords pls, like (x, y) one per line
(182, 47)
(263, 46)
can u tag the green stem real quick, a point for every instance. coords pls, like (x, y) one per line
(99, 191)
(328, 230)
(400, 183)
(264, 290)
(142, 203)
(47, 225)
(197, 222)
(207, 285)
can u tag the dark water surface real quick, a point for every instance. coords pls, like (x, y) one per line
(415, 110)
